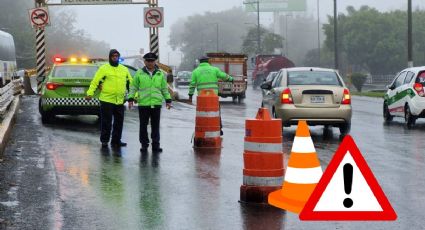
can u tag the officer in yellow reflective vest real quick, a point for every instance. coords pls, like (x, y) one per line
(206, 76)
(151, 85)
(114, 78)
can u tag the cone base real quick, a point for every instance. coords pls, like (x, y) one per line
(207, 142)
(256, 194)
(276, 199)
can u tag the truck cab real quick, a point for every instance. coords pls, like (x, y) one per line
(234, 65)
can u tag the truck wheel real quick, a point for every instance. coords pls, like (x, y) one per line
(240, 99)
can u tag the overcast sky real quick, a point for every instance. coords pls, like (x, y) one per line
(122, 25)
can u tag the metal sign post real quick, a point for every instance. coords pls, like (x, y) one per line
(154, 18)
(39, 18)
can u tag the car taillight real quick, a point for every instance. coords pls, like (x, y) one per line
(346, 98)
(53, 85)
(286, 97)
(419, 88)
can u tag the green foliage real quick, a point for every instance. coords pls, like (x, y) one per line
(375, 41)
(197, 34)
(358, 80)
(62, 37)
(269, 41)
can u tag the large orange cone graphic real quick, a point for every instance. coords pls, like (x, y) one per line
(302, 174)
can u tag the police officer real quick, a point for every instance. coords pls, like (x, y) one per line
(206, 76)
(114, 79)
(151, 85)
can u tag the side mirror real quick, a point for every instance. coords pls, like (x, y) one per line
(391, 87)
(266, 86)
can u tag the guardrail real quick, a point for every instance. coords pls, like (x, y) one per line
(7, 93)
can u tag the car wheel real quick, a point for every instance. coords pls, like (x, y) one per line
(409, 118)
(46, 118)
(345, 128)
(387, 115)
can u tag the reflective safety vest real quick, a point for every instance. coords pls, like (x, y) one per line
(152, 90)
(114, 82)
(206, 77)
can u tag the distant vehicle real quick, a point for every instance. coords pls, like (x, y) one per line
(7, 58)
(183, 78)
(406, 96)
(306, 93)
(236, 66)
(64, 89)
(264, 64)
(269, 79)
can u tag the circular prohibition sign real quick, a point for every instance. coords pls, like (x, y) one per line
(39, 17)
(153, 17)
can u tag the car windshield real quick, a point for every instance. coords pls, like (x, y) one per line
(313, 78)
(185, 75)
(75, 71)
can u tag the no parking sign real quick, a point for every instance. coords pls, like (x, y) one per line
(39, 17)
(153, 17)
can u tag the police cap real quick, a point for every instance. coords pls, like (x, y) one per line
(150, 57)
(203, 59)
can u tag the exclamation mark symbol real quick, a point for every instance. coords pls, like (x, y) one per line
(348, 183)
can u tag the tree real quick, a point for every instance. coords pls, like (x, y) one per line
(14, 20)
(62, 37)
(196, 34)
(376, 42)
(269, 41)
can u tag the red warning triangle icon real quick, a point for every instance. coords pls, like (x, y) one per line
(348, 190)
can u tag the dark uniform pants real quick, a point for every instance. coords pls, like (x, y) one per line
(154, 114)
(109, 111)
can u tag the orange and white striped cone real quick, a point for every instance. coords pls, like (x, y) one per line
(302, 174)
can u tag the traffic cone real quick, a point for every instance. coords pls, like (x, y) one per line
(263, 158)
(302, 174)
(207, 122)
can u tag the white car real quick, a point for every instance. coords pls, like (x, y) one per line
(405, 96)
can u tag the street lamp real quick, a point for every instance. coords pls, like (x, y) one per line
(216, 24)
(286, 33)
(258, 23)
(409, 34)
(335, 35)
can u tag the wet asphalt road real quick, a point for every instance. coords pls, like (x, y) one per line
(57, 177)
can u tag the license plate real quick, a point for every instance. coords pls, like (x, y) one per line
(317, 99)
(227, 85)
(78, 90)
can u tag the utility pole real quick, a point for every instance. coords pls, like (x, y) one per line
(258, 24)
(258, 27)
(336, 35)
(409, 34)
(318, 32)
(217, 35)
